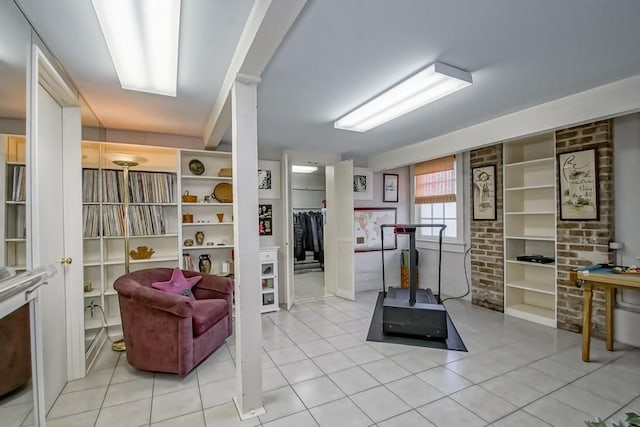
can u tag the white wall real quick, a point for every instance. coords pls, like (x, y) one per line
(626, 133)
(368, 265)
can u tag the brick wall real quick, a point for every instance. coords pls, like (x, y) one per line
(487, 244)
(585, 242)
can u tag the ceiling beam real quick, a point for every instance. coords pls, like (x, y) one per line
(266, 27)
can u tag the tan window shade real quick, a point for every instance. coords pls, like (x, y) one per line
(435, 181)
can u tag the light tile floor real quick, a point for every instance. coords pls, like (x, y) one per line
(319, 370)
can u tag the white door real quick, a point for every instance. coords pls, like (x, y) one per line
(48, 241)
(288, 232)
(340, 228)
(54, 212)
(330, 232)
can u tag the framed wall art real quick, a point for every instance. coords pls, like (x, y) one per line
(265, 216)
(390, 186)
(367, 222)
(362, 184)
(578, 175)
(268, 179)
(483, 182)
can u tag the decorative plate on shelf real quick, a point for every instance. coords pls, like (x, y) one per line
(196, 167)
(223, 192)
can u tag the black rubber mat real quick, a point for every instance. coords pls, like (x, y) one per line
(453, 342)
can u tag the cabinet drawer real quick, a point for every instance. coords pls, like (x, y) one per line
(268, 255)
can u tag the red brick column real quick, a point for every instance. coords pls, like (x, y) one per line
(585, 242)
(487, 240)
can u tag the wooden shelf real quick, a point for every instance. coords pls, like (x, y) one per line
(207, 178)
(193, 224)
(534, 162)
(205, 247)
(531, 213)
(530, 286)
(532, 313)
(541, 238)
(207, 204)
(531, 264)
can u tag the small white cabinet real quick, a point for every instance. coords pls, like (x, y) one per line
(269, 278)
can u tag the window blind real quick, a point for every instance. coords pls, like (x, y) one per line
(435, 180)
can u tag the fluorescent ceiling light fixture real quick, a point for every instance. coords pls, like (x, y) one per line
(425, 86)
(142, 38)
(303, 169)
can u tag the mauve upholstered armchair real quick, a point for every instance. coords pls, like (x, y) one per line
(166, 332)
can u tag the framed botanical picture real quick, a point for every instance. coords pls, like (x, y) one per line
(483, 182)
(390, 186)
(367, 222)
(578, 175)
(268, 179)
(265, 216)
(362, 184)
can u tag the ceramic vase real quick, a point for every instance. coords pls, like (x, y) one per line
(205, 263)
(199, 237)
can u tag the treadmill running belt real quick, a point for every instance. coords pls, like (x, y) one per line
(453, 342)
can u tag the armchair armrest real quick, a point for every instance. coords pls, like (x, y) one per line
(221, 287)
(165, 301)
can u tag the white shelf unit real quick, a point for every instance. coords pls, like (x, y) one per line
(218, 233)
(14, 247)
(530, 228)
(104, 257)
(269, 278)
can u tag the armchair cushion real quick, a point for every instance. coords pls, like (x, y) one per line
(178, 284)
(165, 301)
(206, 313)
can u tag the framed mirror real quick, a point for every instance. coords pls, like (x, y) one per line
(18, 377)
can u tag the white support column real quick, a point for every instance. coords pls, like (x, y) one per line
(248, 303)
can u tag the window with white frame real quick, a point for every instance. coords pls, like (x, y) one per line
(435, 187)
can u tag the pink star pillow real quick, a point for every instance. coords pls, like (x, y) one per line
(178, 284)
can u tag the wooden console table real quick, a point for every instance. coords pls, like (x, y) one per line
(603, 277)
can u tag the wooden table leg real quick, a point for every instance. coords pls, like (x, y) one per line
(586, 321)
(610, 295)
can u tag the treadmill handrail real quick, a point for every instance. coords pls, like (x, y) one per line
(404, 227)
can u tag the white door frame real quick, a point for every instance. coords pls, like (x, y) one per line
(289, 158)
(43, 73)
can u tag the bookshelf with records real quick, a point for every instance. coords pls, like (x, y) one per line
(153, 225)
(14, 207)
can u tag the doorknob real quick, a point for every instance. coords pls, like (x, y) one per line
(65, 260)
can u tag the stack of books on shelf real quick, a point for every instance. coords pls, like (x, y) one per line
(146, 220)
(19, 190)
(112, 183)
(90, 185)
(187, 262)
(91, 220)
(152, 187)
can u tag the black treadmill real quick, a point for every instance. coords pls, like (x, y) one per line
(413, 311)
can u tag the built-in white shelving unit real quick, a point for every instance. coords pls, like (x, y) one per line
(153, 222)
(530, 228)
(212, 217)
(14, 194)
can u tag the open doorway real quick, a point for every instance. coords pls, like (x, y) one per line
(308, 199)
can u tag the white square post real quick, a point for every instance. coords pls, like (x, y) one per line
(248, 323)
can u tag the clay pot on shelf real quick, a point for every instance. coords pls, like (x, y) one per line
(199, 238)
(205, 263)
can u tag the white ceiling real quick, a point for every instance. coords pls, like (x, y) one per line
(340, 53)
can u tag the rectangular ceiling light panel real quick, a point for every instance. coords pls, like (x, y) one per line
(142, 38)
(425, 86)
(303, 169)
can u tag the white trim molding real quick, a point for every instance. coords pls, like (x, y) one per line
(610, 100)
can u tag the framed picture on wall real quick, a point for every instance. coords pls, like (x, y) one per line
(268, 179)
(367, 222)
(390, 186)
(265, 216)
(483, 182)
(578, 174)
(362, 184)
